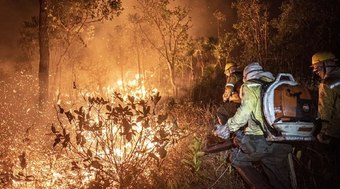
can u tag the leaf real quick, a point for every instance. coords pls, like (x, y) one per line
(53, 129)
(109, 108)
(146, 124)
(146, 110)
(96, 164)
(66, 140)
(139, 119)
(61, 110)
(152, 155)
(90, 99)
(161, 118)
(128, 136)
(156, 98)
(163, 134)
(56, 141)
(200, 154)
(157, 140)
(131, 99)
(127, 126)
(89, 153)
(117, 95)
(162, 152)
(69, 116)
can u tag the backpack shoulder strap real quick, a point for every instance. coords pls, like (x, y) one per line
(265, 128)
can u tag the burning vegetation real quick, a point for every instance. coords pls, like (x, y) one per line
(122, 94)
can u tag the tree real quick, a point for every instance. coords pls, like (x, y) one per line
(220, 17)
(224, 47)
(61, 23)
(171, 26)
(253, 30)
(44, 52)
(302, 28)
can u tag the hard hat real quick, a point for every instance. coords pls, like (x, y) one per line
(321, 57)
(229, 65)
(251, 69)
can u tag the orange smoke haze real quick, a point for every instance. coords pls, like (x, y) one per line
(109, 52)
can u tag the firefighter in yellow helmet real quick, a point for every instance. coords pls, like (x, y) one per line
(325, 66)
(232, 83)
(248, 123)
(231, 98)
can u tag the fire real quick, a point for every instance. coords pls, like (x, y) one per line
(104, 142)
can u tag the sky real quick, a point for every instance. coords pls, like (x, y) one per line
(13, 13)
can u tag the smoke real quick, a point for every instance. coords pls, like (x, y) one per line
(102, 49)
(13, 13)
(204, 23)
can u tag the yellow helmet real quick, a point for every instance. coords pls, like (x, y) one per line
(229, 65)
(320, 57)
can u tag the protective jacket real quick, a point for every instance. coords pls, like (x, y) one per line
(233, 84)
(329, 104)
(250, 111)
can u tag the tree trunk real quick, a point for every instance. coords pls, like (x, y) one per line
(44, 53)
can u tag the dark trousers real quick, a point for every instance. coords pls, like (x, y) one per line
(329, 172)
(272, 158)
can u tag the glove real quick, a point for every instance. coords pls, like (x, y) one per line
(227, 93)
(222, 131)
(225, 98)
(235, 98)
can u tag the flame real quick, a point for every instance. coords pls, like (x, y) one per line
(120, 149)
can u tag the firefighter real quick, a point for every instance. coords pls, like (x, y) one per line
(326, 66)
(253, 147)
(231, 99)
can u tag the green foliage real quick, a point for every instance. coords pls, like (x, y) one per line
(194, 155)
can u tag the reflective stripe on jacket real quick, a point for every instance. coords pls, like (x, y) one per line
(329, 106)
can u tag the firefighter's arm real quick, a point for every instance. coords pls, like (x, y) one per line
(228, 90)
(243, 113)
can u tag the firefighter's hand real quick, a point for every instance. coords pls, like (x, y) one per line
(235, 98)
(225, 98)
(323, 139)
(226, 95)
(222, 131)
